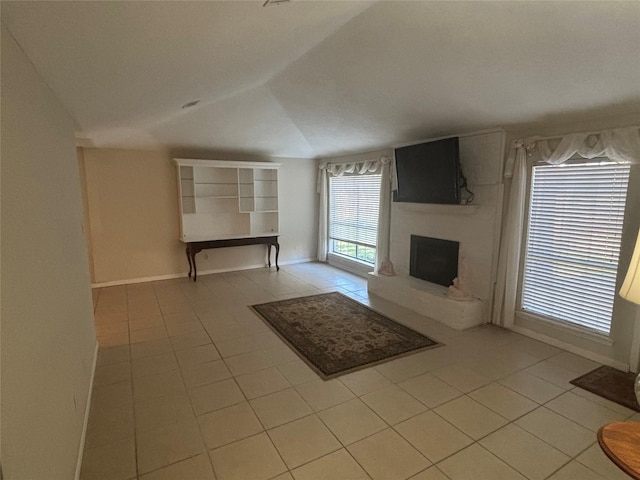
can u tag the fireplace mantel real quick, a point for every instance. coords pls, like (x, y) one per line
(437, 209)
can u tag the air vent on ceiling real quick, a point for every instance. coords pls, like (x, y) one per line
(269, 3)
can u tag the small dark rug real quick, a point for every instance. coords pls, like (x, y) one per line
(612, 384)
(335, 335)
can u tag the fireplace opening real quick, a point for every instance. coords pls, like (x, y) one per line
(433, 259)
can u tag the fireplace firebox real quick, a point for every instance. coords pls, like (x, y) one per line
(433, 259)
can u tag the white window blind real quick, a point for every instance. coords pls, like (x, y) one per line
(575, 225)
(353, 208)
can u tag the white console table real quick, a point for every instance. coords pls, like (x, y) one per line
(427, 299)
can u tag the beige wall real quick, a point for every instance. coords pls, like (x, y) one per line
(86, 224)
(48, 338)
(134, 226)
(132, 207)
(298, 209)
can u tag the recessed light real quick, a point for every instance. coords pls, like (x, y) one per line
(190, 104)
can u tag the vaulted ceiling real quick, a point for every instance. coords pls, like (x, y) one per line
(319, 78)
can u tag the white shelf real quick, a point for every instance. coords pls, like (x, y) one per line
(225, 199)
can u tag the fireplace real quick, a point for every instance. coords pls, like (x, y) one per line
(433, 259)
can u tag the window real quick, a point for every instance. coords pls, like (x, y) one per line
(353, 216)
(575, 225)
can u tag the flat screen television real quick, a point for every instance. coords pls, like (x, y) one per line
(429, 172)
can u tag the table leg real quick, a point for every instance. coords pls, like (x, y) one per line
(269, 255)
(188, 260)
(195, 268)
(277, 254)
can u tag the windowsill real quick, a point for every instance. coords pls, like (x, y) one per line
(567, 328)
(350, 264)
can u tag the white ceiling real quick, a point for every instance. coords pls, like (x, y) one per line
(320, 78)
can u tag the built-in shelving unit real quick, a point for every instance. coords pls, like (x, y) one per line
(224, 199)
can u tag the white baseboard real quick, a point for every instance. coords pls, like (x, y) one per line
(131, 281)
(171, 276)
(570, 348)
(87, 409)
(300, 260)
(252, 267)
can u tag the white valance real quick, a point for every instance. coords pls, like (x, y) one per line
(359, 168)
(620, 145)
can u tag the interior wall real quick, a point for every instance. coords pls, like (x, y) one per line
(133, 214)
(298, 205)
(132, 202)
(86, 222)
(48, 338)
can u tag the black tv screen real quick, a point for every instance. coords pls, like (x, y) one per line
(429, 172)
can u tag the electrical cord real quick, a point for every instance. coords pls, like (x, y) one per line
(472, 195)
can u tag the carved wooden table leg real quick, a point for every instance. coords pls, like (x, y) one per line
(193, 260)
(277, 254)
(269, 255)
(192, 249)
(189, 260)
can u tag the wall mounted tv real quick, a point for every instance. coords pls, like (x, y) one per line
(429, 173)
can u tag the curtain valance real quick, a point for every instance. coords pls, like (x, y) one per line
(360, 168)
(619, 145)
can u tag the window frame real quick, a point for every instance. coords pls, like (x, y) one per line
(337, 259)
(574, 328)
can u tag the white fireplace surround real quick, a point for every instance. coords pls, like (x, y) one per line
(434, 299)
(476, 227)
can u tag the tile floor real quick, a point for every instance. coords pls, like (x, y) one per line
(191, 385)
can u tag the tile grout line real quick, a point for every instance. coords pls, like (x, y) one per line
(493, 380)
(195, 417)
(264, 429)
(133, 402)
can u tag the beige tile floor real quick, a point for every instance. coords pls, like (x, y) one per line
(191, 385)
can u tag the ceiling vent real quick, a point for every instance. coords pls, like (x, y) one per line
(269, 3)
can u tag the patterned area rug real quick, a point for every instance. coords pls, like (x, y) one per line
(612, 384)
(335, 335)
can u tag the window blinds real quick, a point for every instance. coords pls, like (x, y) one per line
(353, 208)
(575, 225)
